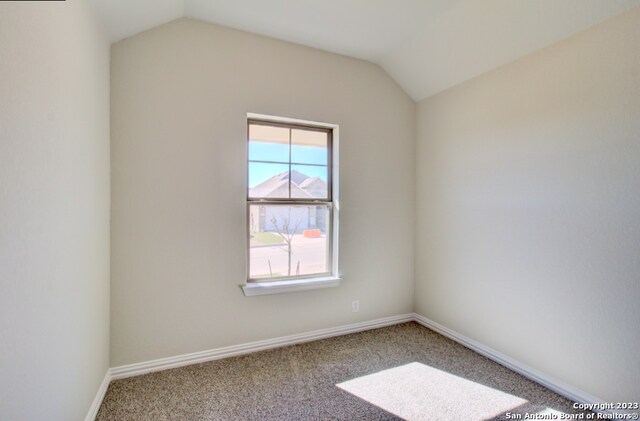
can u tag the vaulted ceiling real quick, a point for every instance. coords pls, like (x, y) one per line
(426, 46)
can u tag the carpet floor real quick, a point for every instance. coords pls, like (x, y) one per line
(399, 372)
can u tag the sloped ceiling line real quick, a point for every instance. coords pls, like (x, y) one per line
(426, 46)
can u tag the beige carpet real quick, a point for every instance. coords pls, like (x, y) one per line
(399, 372)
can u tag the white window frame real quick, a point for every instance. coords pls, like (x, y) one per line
(303, 283)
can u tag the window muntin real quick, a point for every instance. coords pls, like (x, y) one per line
(289, 201)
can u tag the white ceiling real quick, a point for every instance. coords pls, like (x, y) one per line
(427, 46)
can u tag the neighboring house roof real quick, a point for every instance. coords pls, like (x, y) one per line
(314, 186)
(302, 186)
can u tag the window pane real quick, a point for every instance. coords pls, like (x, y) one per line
(288, 241)
(272, 134)
(309, 147)
(309, 181)
(268, 180)
(268, 151)
(268, 143)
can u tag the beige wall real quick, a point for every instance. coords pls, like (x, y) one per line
(180, 95)
(54, 210)
(528, 209)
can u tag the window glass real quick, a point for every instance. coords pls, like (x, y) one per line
(313, 181)
(268, 143)
(309, 147)
(268, 151)
(288, 240)
(268, 180)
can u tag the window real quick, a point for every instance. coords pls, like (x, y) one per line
(291, 205)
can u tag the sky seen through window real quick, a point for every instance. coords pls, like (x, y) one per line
(278, 152)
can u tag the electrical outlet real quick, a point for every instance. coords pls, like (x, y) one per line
(355, 306)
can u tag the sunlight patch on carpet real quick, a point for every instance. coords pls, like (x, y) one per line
(550, 413)
(418, 392)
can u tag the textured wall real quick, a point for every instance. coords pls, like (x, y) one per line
(528, 209)
(180, 95)
(54, 210)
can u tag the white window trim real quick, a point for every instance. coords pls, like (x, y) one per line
(294, 285)
(305, 284)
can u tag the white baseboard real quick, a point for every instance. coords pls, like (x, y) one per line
(551, 383)
(230, 351)
(537, 376)
(97, 401)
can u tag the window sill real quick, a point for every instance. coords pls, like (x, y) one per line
(281, 287)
